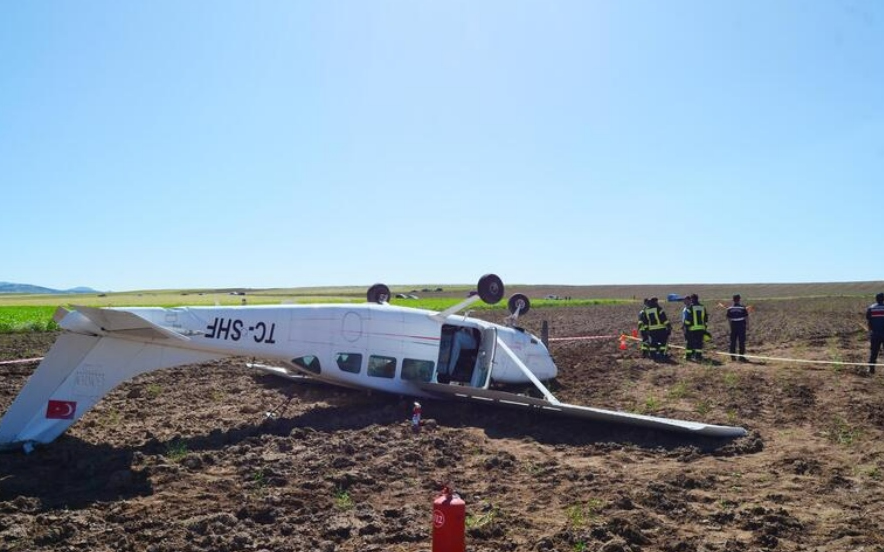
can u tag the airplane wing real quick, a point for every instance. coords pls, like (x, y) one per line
(551, 404)
(577, 411)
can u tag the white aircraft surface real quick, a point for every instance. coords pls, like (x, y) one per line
(373, 345)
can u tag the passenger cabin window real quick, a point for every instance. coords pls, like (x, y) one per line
(381, 366)
(417, 370)
(309, 362)
(349, 362)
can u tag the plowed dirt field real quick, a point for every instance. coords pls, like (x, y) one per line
(187, 459)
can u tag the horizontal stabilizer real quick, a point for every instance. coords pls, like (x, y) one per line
(124, 323)
(520, 401)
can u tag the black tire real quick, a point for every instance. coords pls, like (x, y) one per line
(491, 288)
(518, 302)
(378, 293)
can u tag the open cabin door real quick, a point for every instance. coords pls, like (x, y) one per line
(466, 354)
(485, 362)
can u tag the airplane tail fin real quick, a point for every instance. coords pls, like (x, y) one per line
(74, 375)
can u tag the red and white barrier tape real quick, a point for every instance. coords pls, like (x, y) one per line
(759, 357)
(584, 338)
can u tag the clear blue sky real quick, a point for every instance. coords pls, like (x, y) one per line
(148, 145)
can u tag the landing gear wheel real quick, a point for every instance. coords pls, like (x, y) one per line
(518, 302)
(491, 288)
(378, 293)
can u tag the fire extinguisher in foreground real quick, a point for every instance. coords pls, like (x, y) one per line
(449, 522)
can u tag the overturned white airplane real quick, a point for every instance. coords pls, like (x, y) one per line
(373, 345)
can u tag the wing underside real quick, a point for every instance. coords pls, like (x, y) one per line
(490, 396)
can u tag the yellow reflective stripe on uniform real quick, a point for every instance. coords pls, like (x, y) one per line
(653, 316)
(698, 314)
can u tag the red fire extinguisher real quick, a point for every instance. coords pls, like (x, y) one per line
(449, 522)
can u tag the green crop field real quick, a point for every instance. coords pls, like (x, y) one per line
(33, 312)
(26, 319)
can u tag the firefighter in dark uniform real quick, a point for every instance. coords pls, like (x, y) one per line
(695, 318)
(645, 346)
(875, 318)
(658, 327)
(684, 327)
(738, 318)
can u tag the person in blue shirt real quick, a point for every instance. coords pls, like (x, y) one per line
(875, 318)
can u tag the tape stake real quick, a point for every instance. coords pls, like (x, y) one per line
(21, 360)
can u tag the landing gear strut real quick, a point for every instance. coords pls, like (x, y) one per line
(518, 304)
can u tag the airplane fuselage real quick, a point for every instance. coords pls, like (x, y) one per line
(376, 346)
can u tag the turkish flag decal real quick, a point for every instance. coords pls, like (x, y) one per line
(61, 410)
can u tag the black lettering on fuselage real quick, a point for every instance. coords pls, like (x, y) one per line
(224, 328)
(210, 334)
(231, 329)
(266, 335)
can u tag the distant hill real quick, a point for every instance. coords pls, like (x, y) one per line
(9, 287)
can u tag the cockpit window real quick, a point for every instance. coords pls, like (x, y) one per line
(349, 362)
(309, 362)
(417, 370)
(381, 366)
